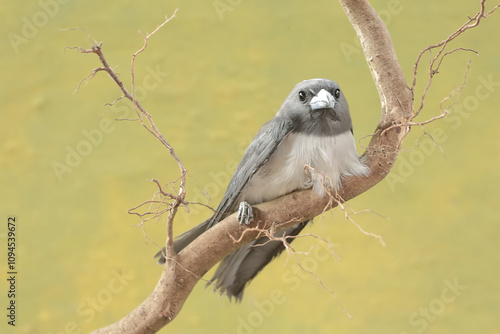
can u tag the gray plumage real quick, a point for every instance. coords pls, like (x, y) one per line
(312, 127)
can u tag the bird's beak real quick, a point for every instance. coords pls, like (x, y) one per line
(322, 100)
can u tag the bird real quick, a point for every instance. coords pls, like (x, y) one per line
(309, 143)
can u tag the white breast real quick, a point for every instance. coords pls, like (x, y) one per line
(333, 157)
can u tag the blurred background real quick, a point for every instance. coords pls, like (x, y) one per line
(211, 78)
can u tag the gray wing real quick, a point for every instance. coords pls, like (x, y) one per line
(260, 150)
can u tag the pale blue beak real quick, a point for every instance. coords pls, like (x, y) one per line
(322, 100)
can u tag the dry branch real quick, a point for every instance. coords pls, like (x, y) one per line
(182, 271)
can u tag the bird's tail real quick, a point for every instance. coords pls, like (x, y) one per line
(241, 266)
(183, 240)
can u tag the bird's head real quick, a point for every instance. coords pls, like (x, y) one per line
(317, 106)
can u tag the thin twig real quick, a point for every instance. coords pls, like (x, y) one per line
(96, 48)
(154, 130)
(443, 112)
(441, 46)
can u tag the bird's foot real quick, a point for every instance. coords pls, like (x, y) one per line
(245, 213)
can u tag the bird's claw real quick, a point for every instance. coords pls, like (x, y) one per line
(245, 213)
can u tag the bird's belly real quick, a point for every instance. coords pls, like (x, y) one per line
(285, 172)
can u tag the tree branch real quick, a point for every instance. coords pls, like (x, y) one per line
(182, 271)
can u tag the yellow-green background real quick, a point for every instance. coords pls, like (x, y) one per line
(226, 77)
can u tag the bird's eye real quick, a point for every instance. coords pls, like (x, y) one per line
(302, 96)
(336, 93)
